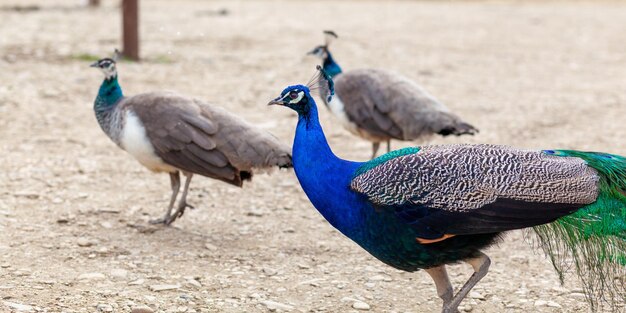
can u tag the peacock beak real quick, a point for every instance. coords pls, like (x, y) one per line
(277, 101)
(95, 64)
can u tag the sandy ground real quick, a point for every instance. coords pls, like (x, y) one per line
(74, 235)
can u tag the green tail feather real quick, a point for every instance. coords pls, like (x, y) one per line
(593, 239)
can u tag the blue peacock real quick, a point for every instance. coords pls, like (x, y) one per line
(426, 207)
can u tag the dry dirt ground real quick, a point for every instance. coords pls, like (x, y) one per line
(74, 209)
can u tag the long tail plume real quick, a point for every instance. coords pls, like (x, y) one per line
(593, 239)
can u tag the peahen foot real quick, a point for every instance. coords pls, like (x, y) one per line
(182, 205)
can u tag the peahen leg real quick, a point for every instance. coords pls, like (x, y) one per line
(175, 183)
(442, 282)
(481, 267)
(388, 145)
(182, 203)
(375, 146)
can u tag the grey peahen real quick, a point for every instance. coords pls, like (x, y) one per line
(167, 132)
(379, 105)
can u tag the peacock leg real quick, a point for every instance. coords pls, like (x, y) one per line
(182, 203)
(375, 146)
(175, 183)
(442, 282)
(481, 267)
(388, 145)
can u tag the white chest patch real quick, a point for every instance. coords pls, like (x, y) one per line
(135, 142)
(336, 107)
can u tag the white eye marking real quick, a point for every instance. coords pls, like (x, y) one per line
(296, 100)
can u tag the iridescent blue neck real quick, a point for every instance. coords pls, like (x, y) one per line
(109, 94)
(324, 177)
(330, 66)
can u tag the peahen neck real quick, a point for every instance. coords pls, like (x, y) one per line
(109, 96)
(330, 66)
(324, 177)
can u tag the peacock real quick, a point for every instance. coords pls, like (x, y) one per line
(428, 206)
(380, 105)
(168, 132)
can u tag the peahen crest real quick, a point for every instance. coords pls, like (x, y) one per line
(593, 239)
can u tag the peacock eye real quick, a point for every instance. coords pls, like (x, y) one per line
(293, 95)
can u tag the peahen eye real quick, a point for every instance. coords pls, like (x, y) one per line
(293, 95)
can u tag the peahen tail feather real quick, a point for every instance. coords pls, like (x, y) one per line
(593, 239)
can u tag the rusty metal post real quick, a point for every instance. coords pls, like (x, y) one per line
(130, 29)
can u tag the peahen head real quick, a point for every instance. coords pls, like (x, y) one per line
(107, 66)
(323, 53)
(298, 97)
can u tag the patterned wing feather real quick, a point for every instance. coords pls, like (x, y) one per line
(469, 189)
(391, 106)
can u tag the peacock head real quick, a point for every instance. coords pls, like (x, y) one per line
(321, 51)
(298, 97)
(107, 65)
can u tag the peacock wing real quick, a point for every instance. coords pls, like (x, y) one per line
(474, 189)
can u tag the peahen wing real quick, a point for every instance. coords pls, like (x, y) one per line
(473, 189)
(388, 105)
(202, 139)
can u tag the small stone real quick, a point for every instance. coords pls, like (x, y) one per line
(5, 265)
(348, 299)
(164, 287)
(303, 266)
(84, 242)
(272, 305)
(22, 272)
(467, 308)
(210, 247)
(193, 283)
(377, 278)
(119, 274)
(360, 305)
(541, 303)
(370, 285)
(137, 282)
(269, 271)
(104, 307)
(476, 295)
(553, 304)
(18, 306)
(255, 213)
(91, 276)
(142, 309)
